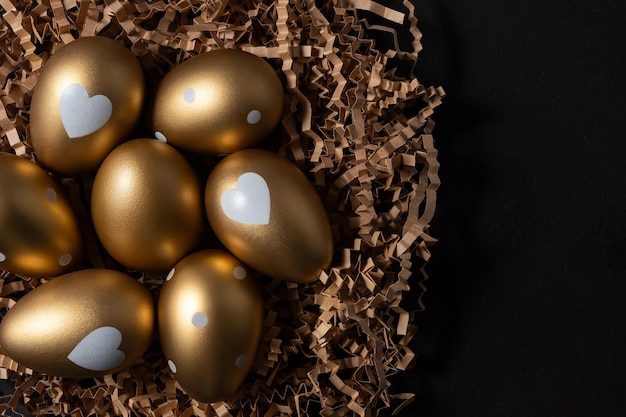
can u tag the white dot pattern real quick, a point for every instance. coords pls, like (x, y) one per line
(51, 195)
(199, 320)
(189, 95)
(160, 137)
(254, 117)
(2, 257)
(171, 274)
(239, 272)
(65, 259)
(241, 360)
(172, 366)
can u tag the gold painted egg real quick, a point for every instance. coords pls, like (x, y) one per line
(82, 324)
(210, 316)
(268, 214)
(39, 233)
(146, 205)
(87, 99)
(218, 102)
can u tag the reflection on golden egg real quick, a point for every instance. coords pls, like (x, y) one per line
(146, 205)
(218, 102)
(87, 99)
(82, 324)
(268, 214)
(210, 316)
(39, 234)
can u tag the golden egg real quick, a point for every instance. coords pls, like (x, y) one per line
(146, 205)
(87, 99)
(268, 214)
(82, 324)
(210, 316)
(218, 102)
(39, 234)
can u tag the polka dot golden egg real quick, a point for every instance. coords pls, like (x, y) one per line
(210, 316)
(146, 205)
(268, 214)
(82, 324)
(39, 233)
(86, 101)
(218, 102)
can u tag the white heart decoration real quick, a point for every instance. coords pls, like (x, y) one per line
(249, 202)
(98, 351)
(82, 115)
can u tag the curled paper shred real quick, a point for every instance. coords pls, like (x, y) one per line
(360, 131)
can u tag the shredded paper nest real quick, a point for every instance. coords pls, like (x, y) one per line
(358, 128)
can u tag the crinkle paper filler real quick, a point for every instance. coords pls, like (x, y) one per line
(359, 129)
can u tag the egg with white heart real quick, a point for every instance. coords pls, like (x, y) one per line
(210, 317)
(88, 99)
(269, 215)
(39, 232)
(146, 205)
(83, 324)
(218, 102)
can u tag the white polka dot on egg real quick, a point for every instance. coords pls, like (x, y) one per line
(51, 195)
(239, 272)
(171, 274)
(199, 320)
(65, 259)
(160, 137)
(254, 117)
(2, 257)
(241, 360)
(172, 366)
(189, 95)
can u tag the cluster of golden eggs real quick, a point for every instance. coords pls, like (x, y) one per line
(147, 207)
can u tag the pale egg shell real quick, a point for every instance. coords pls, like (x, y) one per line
(146, 205)
(82, 324)
(218, 102)
(39, 233)
(210, 316)
(88, 98)
(268, 214)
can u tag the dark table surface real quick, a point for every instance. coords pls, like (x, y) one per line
(525, 310)
(525, 305)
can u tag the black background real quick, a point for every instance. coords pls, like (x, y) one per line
(525, 312)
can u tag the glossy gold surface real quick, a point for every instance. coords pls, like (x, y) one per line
(146, 205)
(43, 329)
(288, 235)
(218, 102)
(210, 316)
(106, 70)
(39, 234)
